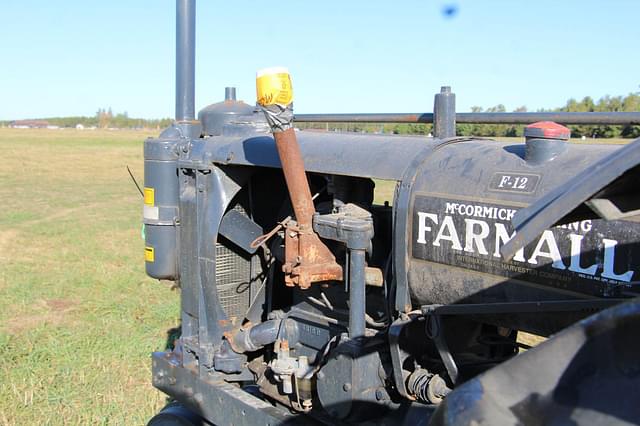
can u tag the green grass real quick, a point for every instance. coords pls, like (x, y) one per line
(78, 317)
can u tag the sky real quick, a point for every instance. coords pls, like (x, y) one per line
(74, 57)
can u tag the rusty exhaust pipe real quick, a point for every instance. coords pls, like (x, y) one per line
(295, 176)
(307, 259)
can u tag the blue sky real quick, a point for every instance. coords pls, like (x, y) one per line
(73, 57)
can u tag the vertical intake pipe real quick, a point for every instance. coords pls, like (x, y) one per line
(295, 176)
(275, 95)
(185, 59)
(307, 259)
(229, 93)
(444, 114)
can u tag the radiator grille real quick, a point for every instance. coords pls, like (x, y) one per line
(233, 278)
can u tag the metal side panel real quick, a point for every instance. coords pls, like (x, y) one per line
(362, 155)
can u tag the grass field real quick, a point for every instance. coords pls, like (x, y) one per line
(78, 317)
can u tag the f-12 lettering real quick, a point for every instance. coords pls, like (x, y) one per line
(514, 182)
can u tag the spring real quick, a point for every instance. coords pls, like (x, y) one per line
(427, 387)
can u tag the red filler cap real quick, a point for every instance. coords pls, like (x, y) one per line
(547, 130)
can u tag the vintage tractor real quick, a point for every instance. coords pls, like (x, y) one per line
(304, 302)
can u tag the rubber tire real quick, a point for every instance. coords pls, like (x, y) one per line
(175, 414)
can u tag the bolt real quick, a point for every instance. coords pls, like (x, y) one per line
(200, 187)
(381, 394)
(346, 387)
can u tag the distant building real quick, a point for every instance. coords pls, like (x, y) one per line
(29, 124)
(79, 126)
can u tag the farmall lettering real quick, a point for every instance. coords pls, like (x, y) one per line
(470, 234)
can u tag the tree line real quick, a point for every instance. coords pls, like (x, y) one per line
(629, 103)
(105, 118)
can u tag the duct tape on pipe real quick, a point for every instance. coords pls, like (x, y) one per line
(275, 96)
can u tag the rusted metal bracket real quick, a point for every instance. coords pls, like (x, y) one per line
(307, 258)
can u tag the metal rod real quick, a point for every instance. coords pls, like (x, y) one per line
(364, 118)
(560, 117)
(614, 118)
(521, 307)
(357, 308)
(185, 59)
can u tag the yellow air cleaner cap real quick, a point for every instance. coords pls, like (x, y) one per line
(273, 86)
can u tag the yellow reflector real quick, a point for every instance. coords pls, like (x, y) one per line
(149, 196)
(149, 255)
